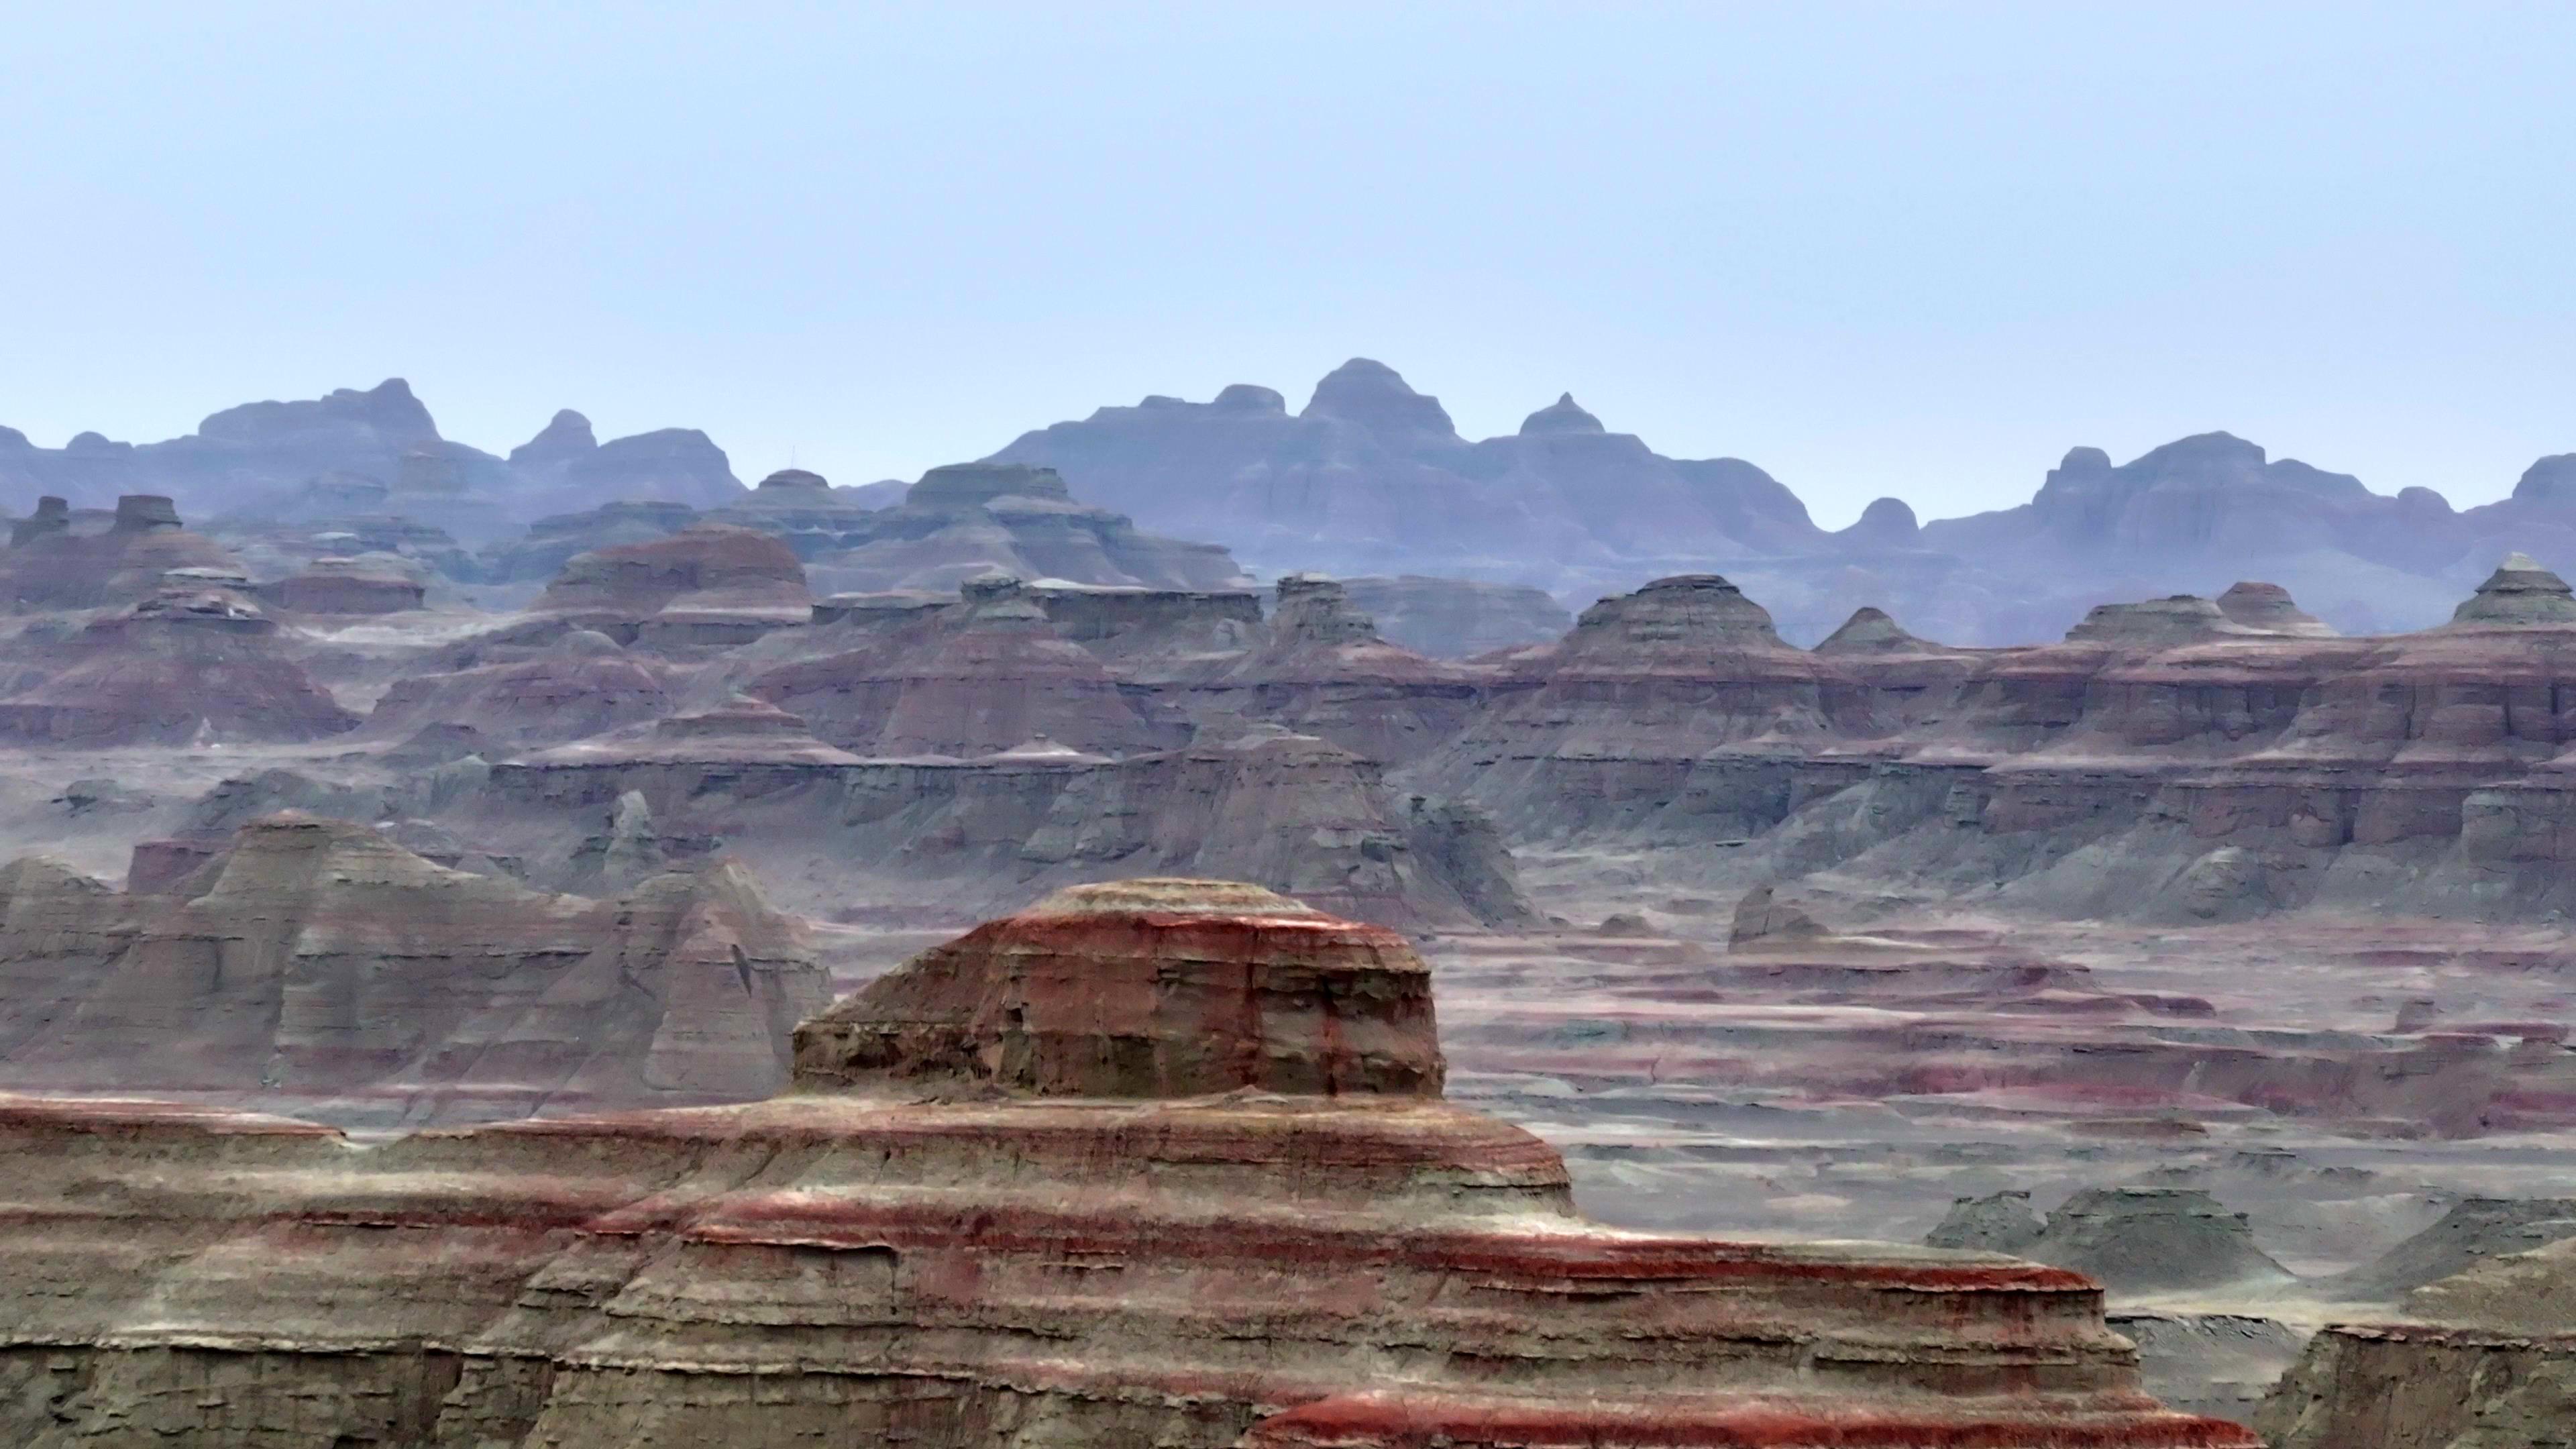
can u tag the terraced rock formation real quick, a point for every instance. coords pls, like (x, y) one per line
(1330, 1255)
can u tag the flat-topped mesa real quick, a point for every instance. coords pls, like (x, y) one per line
(2155, 623)
(1315, 612)
(2520, 591)
(958, 486)
(1143, 988)
(2270, 608)
(52, 515)
(145, 512)
(707, 584)
(793, 485)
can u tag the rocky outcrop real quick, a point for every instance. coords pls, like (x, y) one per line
(917, 1248)
(668, 465)
(2140, 1240)
(62, 559)
(1323, 669)
(1608, 724)
(1999, 1222)
(555, 540)
(2480, 1360)
(314, 962)
(187, 665)
(2519, 592)
(1763, 919)
(1142, 988)
(707, 584)
(2269, 608)
(578, 684)
(984, 676)
(2472, 1232)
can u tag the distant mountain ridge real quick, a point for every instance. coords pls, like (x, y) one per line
(375, 451)
(1371, 477)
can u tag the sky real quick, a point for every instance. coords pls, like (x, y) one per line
(1877, 249)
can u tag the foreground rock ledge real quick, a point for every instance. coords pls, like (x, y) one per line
(1005, 1265)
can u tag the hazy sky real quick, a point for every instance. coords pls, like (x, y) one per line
(1876, 249)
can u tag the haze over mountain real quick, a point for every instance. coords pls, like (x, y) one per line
(1371, 477)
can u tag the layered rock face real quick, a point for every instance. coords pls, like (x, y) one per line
(2480, 1360)
(1250, 1267)
(988, 675)
(85, 559)
(1292, 812)
(317, 964)
(1611, 720)
(187, 665)
(1323, 668)
(707, 584)
(577, 684)
(1143, 988)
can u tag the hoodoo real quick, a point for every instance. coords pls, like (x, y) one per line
(1160, 1162)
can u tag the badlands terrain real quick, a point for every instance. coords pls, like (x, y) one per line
(448, 811)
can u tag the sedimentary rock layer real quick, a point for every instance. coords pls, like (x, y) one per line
(1248, 1267)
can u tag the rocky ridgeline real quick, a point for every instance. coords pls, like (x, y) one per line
(1188, 1138)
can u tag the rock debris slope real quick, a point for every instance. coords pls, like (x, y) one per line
(950, 1238)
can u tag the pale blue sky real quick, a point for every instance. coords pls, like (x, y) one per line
(1912, 249)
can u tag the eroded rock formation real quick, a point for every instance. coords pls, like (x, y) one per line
(315, 961)
(1271, 1266)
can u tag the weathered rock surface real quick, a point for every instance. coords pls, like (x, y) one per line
(317, 962)
(707, 584)
(2142, 1240)
(86, 559)
(1212, 1269)
(1294, 813)
(1143, 988)
(186, 665)
(985, 676)
(578, 684)
(2485, 1359)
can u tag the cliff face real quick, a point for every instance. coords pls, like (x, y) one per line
(1291, 812)
(1031, 1264)
(2481, 1360)
(317, 958)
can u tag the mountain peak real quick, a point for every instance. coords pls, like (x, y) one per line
(567, 435)
(1375, 396)
(1565, 415)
